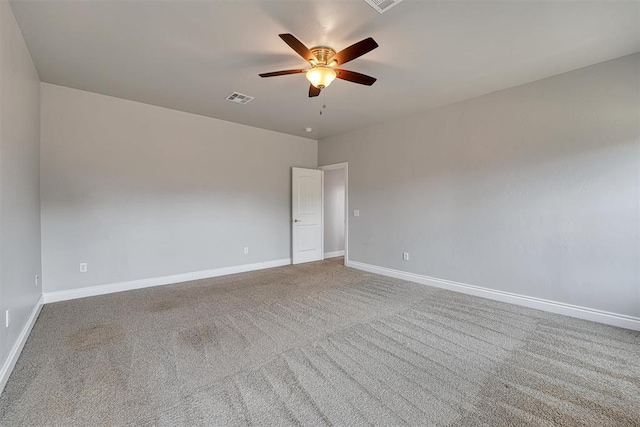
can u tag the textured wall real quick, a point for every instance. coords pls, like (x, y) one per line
(532, 190)
(138, 191)
(334, 210)
(19, 180)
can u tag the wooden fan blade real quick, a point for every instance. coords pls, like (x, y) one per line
(313, 91)
(352, 76)
(282, 73)
(298, 46)
(354, 51)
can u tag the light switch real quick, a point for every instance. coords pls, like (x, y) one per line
(356, 213)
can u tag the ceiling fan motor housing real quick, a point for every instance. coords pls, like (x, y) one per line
(322, 54)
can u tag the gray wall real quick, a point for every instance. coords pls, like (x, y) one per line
(334, 210)
(138, 191)
(19, 181)
(532, 190)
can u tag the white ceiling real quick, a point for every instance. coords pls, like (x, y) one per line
(189, 55)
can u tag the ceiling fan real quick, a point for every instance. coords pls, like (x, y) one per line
(324, 60)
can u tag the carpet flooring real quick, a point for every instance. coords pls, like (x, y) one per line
(318, 344)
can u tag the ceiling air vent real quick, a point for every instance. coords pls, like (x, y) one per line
(382, 5)
(239, 98)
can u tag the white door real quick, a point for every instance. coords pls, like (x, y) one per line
(306, 213)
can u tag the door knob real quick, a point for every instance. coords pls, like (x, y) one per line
(296, 220)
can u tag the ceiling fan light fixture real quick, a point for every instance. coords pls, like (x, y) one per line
(324, 61)
(321, 76)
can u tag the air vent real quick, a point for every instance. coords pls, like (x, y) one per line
(239, 98)
(382, 5)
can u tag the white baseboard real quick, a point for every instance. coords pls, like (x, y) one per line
(614, 319)
(70, 294)
(334, 254)
(14, 354)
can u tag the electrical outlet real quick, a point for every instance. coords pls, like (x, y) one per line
(7, 318)
(405, 256)
(83, 267)
(37, 279)
(246, 250)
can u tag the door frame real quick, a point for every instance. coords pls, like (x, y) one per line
(345, 166)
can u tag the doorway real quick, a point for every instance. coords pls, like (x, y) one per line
(335, 203)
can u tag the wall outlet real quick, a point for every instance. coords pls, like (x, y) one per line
(37, 279)
(405, 256)
(356, 213)
(83, 267)
(7, 318)
(246, 250)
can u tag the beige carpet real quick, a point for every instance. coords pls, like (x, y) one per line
(318, 344)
